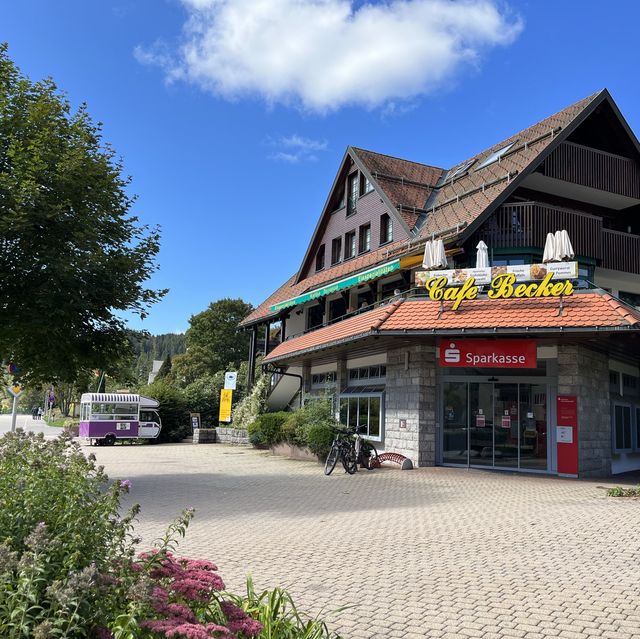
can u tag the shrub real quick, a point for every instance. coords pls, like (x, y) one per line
(60, 531)
(619, 491)
(319, 437)
(173, 411)
(252, 405)
(266, 430)
(294, 428)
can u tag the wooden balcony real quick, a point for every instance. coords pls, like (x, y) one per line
(620, 251)
(596, 169)
(526, 224)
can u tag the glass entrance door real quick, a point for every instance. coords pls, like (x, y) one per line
(495, 425)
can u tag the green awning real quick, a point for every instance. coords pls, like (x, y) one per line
(354, 280)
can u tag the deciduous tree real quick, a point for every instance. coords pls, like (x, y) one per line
(73, 258)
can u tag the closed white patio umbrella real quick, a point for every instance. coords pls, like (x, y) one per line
(439, 255)
(427, 260)
(566, 250)
(482, 256)
(549, 249)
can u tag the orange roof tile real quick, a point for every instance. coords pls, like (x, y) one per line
(582, 311)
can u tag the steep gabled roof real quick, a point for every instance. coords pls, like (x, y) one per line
(471, 197)
(457, 206)
(407, 185)
(594, 311)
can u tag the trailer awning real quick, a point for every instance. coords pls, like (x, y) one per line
(348, 282)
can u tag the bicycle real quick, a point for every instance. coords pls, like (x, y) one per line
(352, 449)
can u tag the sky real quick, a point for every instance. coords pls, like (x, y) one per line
(232, 116)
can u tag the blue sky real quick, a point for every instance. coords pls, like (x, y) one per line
(232, 115)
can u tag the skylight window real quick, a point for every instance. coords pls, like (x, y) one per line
(457, 172)
(494, 157)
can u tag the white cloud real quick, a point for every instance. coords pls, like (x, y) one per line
(295, 149)
(324, 54)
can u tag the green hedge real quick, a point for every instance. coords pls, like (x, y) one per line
(267, 430)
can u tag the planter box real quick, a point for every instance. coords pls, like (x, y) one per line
(237, 436)
(204, 435)
(295, 452)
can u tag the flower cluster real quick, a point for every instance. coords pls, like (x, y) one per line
(186, 600)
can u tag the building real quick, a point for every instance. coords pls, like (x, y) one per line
(547, 384)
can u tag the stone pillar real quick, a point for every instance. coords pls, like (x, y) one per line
(585, 373)
(306, 381)
(342, 381)
(410, 403)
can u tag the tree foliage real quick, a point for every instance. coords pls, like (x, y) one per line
(213, 338)
(73, 258)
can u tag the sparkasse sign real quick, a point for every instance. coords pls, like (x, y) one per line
(485, 353)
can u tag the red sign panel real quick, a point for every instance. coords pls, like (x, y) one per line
(567, 434)
(486, 353)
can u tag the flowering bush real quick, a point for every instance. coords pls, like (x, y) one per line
(68, 567)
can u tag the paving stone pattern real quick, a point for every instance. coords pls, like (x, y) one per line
(432, 552)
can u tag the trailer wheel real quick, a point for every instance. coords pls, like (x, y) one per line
(110, 439)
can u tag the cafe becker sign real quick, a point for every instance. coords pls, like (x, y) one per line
(503, 282)
(486, 353)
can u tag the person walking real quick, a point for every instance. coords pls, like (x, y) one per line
(34, 412)
(40, 412)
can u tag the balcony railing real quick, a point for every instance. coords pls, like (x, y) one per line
(620, 251)
(526, 224)
(597, 169)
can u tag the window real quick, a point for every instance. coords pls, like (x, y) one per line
(363, 410)
(320, 258)
(365, 238)
(494, 157)
(349, 245)
(365, 185)
(323, 379)
(367, 375)
(459, 170)
(315, 316)
(614, 382)
(386, 229)
(622, 427)
(353, 194)
(336, 250)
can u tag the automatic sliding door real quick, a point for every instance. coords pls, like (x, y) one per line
(455, 434)
(481, 424)
(506, 425)
(533, 426)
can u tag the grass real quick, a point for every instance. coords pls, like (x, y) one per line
(618, 491)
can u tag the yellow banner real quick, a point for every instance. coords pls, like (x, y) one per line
(225, 405)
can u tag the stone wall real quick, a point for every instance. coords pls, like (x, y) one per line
(585, 373)
(232, 436)
(410, 396)
(204, 435)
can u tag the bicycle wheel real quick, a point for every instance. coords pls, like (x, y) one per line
(369, 454)
(349, 460)
(332, 459)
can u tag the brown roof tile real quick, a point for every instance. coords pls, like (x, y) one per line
(595, 311)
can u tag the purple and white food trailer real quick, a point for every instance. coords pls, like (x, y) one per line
(107, 417)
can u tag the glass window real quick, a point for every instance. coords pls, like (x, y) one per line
(622, 427)
(363, 410)
(365, 185)
(386, 229)
(336, 250)
(494, 157)
(614, 382)
(353, 194)
(320, 258)
(365, 238)
(633, 299)
(349, 245)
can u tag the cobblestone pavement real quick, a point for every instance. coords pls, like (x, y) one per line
(425, 553)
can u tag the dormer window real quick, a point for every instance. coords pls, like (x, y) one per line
(320, 258)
